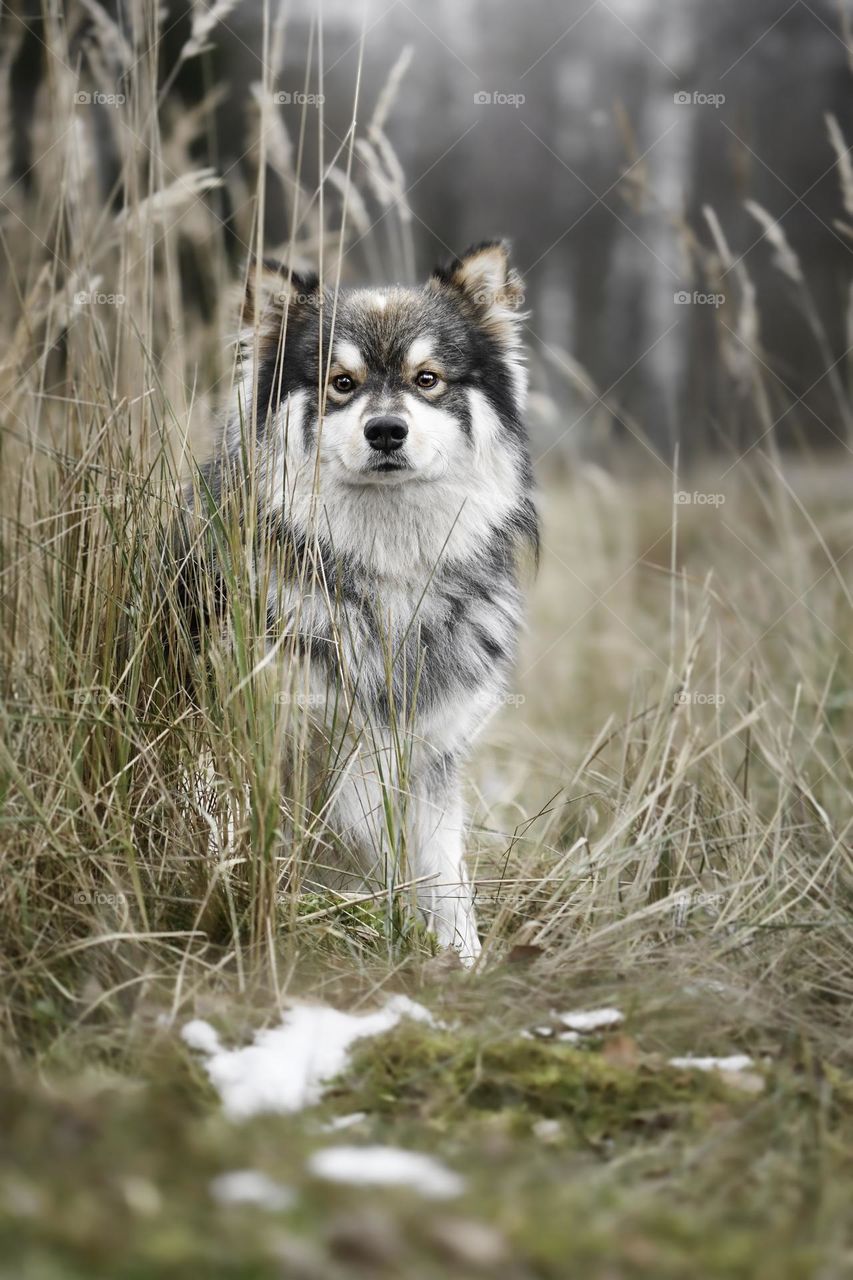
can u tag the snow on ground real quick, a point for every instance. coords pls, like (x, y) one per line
(579, 1022)
(247, 1186)
(734, 1062)
(591, 1019)
(386, 1167)
(345, 1122)
(285, 1068)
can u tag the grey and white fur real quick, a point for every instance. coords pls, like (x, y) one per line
(390, 459)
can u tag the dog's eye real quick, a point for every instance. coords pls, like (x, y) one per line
(343, 384)
(426, 379)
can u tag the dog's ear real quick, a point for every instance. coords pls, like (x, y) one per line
(488, 283)
(272, 290)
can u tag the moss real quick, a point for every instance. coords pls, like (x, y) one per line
(441, 1075)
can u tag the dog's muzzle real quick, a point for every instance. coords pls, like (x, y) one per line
(385, 434)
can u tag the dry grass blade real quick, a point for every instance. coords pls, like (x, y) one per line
(784, 257)
(205, 18)
(845, 163)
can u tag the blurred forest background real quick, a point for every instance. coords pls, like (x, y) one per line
(612, 126)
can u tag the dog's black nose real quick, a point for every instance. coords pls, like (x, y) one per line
(385, 434)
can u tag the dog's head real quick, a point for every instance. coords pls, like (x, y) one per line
(387, 387)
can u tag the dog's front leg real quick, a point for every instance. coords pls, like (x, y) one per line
(444, 894)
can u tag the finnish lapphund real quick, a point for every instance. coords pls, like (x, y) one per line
(389, 460)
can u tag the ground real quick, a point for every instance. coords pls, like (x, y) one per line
(659, 823)
(641, 1169)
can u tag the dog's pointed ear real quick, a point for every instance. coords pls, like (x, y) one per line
(272, 289)
(488, 283)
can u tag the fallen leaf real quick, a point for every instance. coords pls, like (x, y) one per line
(524, 953)
(622, 1051)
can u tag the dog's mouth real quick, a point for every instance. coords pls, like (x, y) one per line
(387, 467)
(396, 468)
(389, 464)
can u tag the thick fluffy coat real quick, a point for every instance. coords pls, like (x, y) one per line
(390, 460)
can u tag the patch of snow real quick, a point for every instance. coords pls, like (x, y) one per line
(734, 1062)
(285, 1068)
(386, 1167)
(345, 1122)
(591, 1019)
(201, 1036)
(547, 1130)
(247, 1186)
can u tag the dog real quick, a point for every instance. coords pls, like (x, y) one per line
(389, 459)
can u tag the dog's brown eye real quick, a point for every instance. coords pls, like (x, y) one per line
(343, 383)
(426, 379)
